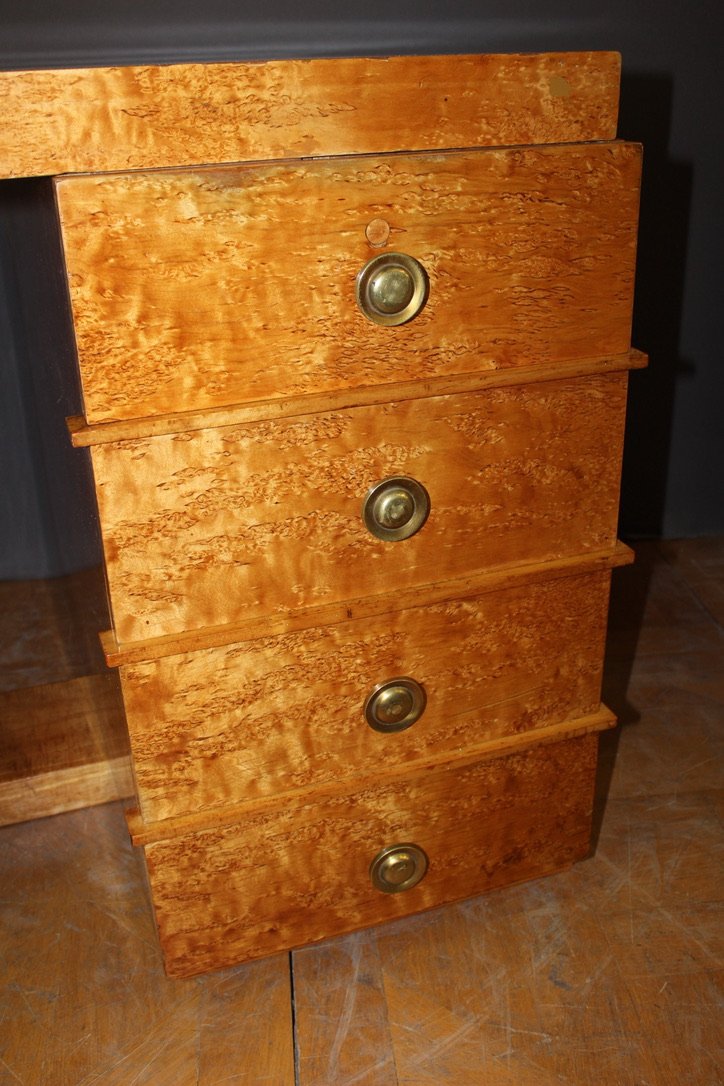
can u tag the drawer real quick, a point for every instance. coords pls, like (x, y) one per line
(299, 873)
(219, 526)
(244, 721)
(206, 287)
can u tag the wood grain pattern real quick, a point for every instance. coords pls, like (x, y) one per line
(56, 791)
(198, 289)
(341, 1029)
(63, 737)
(299, 875)
(606, 973)
(395, 775)
(230, 288)
(137, 652)
(219, 526)
(229, 725)
(69, 121)
(83, 435)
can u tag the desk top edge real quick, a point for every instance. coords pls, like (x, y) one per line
(70, 120)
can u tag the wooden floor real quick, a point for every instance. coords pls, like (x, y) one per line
(606, 974)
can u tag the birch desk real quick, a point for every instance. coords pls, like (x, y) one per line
(353, 340)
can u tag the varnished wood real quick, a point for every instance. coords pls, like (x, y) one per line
(299, 875)
(261, 718)
(360, 607)
(229, 525)
(605, 973)
(72, 120)
(203, 296)
(83, 435)
(392, 776)
(190, 292)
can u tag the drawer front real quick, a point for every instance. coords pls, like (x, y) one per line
(232, 724)
(296, 875)
(217, 526)
(201, 288)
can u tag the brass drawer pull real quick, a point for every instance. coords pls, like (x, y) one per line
(395, 508)
(397, 868)
(392, 288)
(395, 705)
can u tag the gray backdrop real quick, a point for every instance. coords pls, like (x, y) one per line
(672, 95)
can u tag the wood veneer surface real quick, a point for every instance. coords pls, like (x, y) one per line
(66, 121)
(474, 584)
(539, 242)
(608, 972)
(220, 525)
(198, 289)
(299, 874)
(82, 434)
(255, 719)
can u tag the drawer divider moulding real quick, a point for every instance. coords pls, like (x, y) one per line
(144, 833)
(119, 654)
(83, 435)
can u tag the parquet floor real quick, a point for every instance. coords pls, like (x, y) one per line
(606, 975)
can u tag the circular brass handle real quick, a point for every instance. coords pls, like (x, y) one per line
(395, 508)
(392, 288)
(395, 705)
(397, 868)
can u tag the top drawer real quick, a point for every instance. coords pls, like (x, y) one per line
(193, 289)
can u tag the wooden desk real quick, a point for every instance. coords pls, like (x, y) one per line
(352, 339)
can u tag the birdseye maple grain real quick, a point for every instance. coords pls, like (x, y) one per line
(239, 406)
(198, 289)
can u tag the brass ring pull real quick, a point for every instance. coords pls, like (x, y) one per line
(395, 705)
(395, 508)
(392, 288)
(397, 868)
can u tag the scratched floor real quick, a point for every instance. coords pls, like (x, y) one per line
(604, 975)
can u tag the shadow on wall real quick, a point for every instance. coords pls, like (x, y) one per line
(645, 116)
(48, 523)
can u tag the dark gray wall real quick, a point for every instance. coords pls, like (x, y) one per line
(672, 95)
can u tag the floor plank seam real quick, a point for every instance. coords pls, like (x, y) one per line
(293, 1007)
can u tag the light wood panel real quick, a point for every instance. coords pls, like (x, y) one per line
(72, 120)
(228, 725)
(606, 973)
(199, 289)
(82, 435)
(395, 775)
(220, 526)
(300, 874)
(360, 607)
